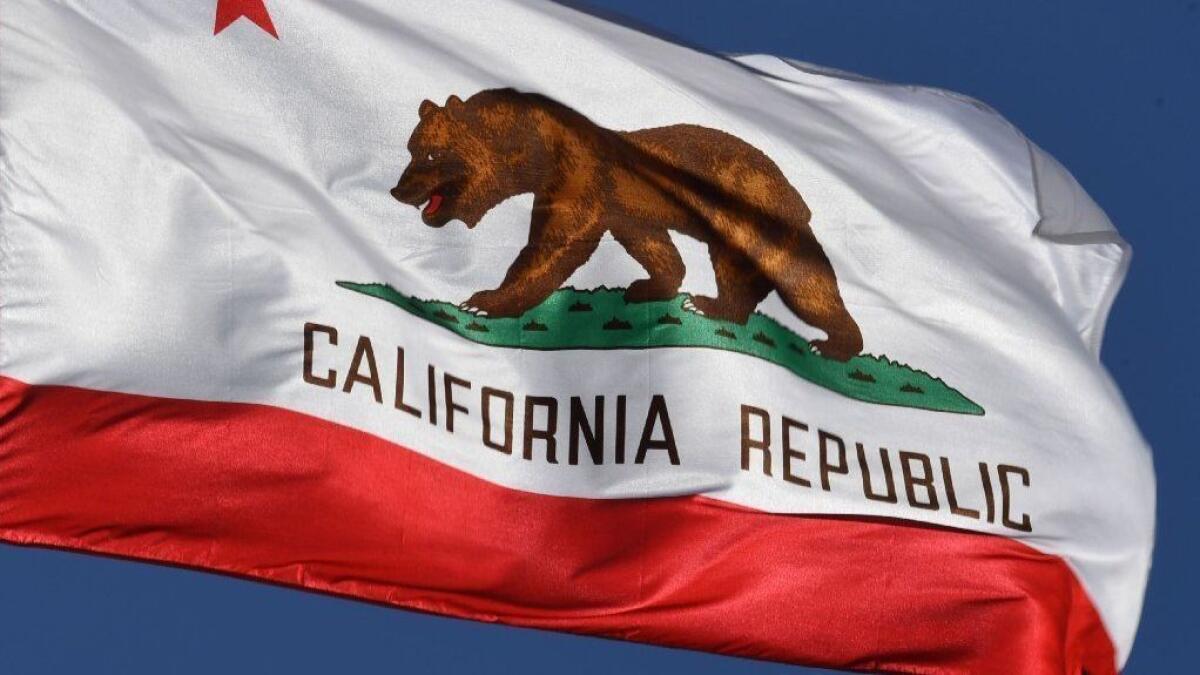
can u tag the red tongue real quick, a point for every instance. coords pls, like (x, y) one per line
(435, 203)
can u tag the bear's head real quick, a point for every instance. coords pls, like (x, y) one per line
(462, 161)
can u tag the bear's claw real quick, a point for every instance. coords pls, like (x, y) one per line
(468, 307)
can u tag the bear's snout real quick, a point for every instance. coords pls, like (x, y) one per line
(407, 191)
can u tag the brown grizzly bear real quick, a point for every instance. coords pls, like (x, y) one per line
(469, 156)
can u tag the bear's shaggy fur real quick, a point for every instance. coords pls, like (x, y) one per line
(468, 156)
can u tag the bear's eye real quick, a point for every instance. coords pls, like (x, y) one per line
(430, 157)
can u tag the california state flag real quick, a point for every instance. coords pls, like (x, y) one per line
(509, 313)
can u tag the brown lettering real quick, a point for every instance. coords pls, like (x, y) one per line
(399, 402)
(619, 454)
(989, 500)
(593, 436)
(547, 434)
(448, 383)
(911, 482)
(364, 352)
(823, 438)
(789, 452)
(329, 380)
(763, 442)
(890, 496)
(1002, 472)
(657, 413)
(951, 498)
(431, 387)
(487, 393)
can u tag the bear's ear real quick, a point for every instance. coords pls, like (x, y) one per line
(453, 101)
(427, 107)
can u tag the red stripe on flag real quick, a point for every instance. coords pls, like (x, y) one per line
(275, 495)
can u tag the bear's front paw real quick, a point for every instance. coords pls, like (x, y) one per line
(832, 349)
(649, 290)
(490, 303)
(715, 308)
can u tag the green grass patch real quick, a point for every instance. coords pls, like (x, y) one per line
(601, 319)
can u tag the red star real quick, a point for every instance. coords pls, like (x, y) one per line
(229, 11)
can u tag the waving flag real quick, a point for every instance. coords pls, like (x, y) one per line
(509, 313)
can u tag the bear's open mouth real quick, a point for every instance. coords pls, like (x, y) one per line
(434, 203)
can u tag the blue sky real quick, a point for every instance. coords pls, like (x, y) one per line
(1110, 87)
